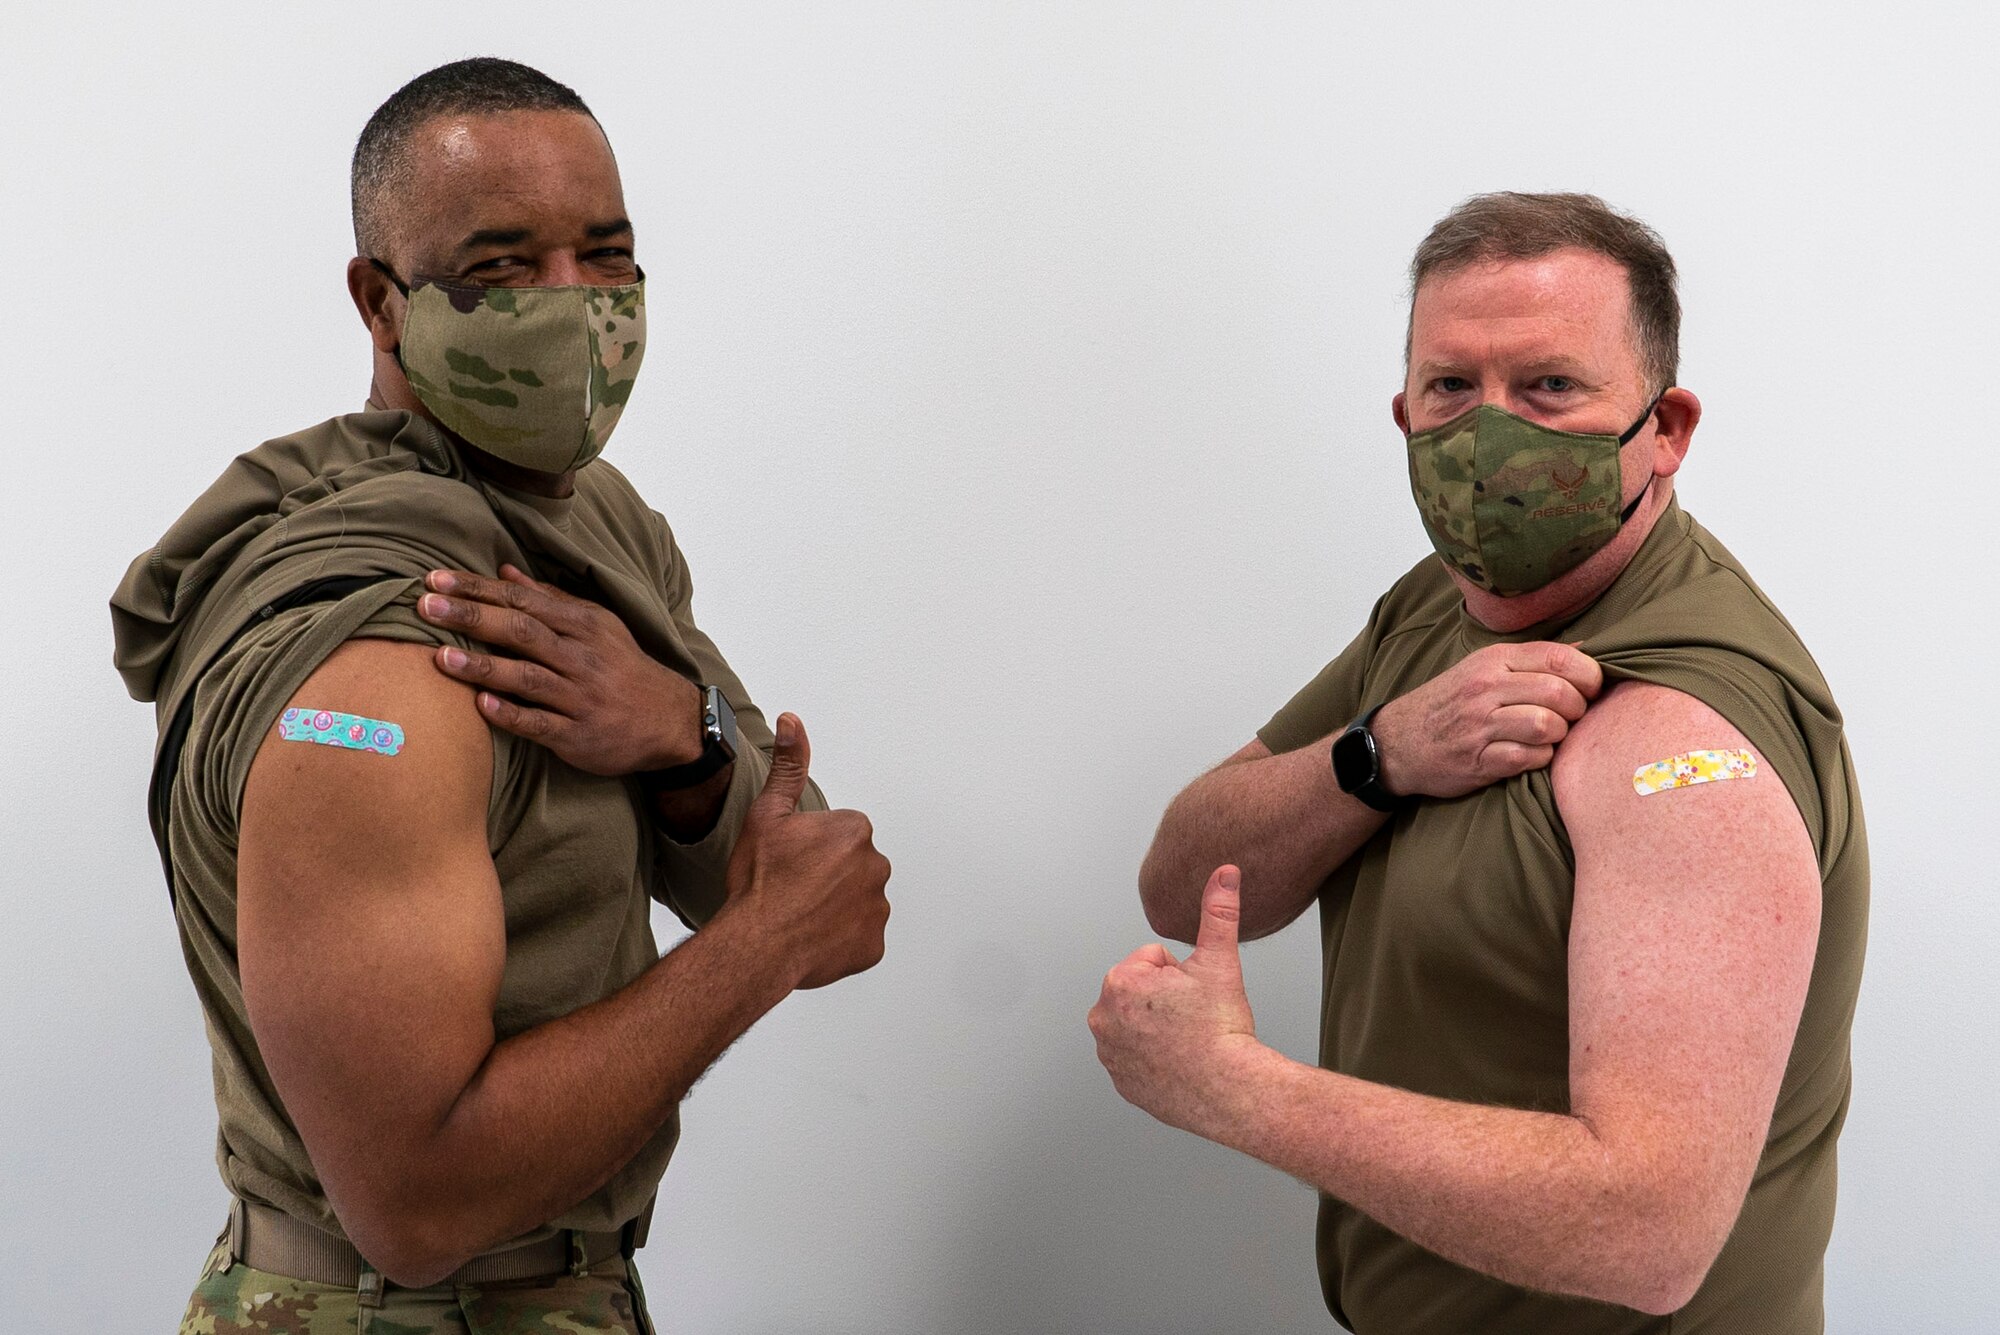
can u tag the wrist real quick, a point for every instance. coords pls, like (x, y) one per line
(1358, 764)
(1391, 755)
(691, 815)
(1239, 1075)
(765, 946)
(715, 732)
(757, 972)
(675, 713)
(1401, 776)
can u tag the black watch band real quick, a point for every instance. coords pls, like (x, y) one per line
(1357, 765)
(718, 744)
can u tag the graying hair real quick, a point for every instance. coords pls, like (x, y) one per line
(1508, 225)
(483, 85)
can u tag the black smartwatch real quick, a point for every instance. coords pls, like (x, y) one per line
(1357, 765)
(718, 744)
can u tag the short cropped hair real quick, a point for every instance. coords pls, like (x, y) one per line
(481, 86)
(1508, 225)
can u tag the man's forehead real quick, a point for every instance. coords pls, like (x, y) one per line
(474, 141)
(1547, 305)
(507, 172)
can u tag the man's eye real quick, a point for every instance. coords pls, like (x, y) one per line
(1451, 384)
(615, 261)
(499, 264)
(1557, 384)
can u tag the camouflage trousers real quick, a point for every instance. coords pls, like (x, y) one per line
(233, 1299)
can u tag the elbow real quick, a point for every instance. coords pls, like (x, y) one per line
(1166, 922)
(412, 1255)
(1666, 1251)
(1643, 1272)
(1661, 1294)
(1168, 915)
(413, 1270)
(1658, 1295)
(412, 1244)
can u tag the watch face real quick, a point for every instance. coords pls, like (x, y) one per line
(719, 721)
(1353, 759)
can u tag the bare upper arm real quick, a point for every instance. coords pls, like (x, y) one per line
(1691, 943)
(369, 927)
(1194, 832)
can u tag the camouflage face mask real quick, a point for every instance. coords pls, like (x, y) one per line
(534, 375)
(1511, 504)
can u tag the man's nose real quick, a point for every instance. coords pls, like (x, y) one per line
(560, 268)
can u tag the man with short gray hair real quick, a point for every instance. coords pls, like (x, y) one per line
(1580, 821)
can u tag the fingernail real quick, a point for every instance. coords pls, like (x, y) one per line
(442, 581)
(1230, 878)
(454, 658)
(433, 606)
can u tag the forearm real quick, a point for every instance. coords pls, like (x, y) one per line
(705, 814)
(691, 871)
(689, 815)
(553, 1112)
(1536, 1199)
(1282, 819)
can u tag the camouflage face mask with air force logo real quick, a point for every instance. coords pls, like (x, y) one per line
(1511, 504)
(534, 375)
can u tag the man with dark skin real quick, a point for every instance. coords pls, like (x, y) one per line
(372, 986)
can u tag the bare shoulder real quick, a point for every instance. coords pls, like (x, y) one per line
(1648, 768)
(1638, 713)
(378, 744)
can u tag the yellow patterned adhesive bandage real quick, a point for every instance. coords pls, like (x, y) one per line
(1693, 768)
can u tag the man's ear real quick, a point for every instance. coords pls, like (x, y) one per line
(380, 304)
(1401, 415)
(1677, 414)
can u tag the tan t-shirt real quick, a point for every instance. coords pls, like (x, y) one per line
(1445, 938)
(383, 495)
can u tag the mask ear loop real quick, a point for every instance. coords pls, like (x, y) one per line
(403, 288)
(1631, 433)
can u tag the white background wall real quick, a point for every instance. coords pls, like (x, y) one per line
(1019, 391)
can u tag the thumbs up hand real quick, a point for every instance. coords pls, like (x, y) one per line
(1167, 1030)
(812, 881)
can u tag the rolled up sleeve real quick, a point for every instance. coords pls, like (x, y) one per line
(692, 879)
